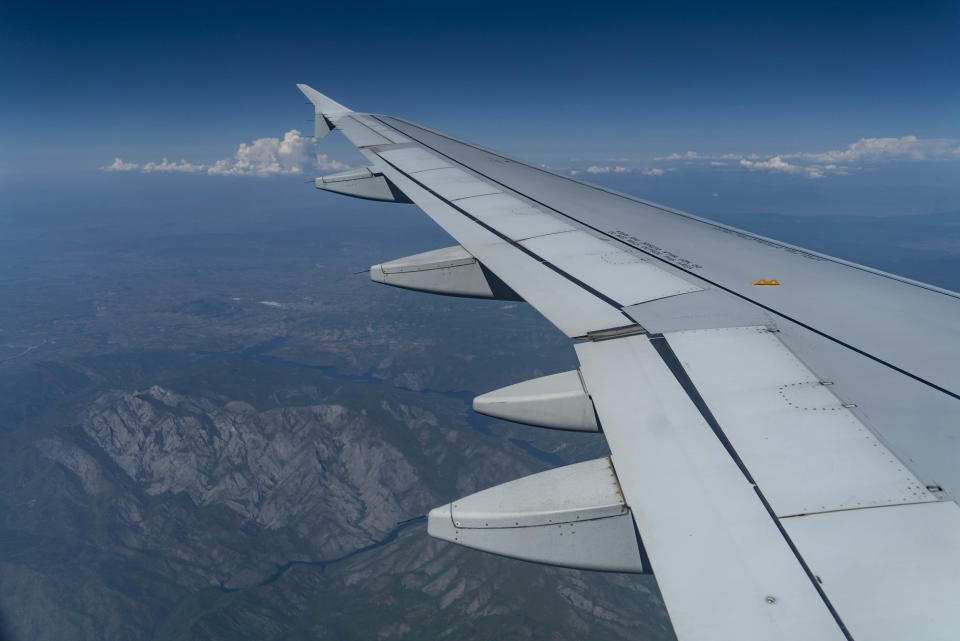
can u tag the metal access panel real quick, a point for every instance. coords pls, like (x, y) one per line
(573, 516)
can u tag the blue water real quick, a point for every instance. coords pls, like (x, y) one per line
(535, 452)
(282, 569)
(389, 538)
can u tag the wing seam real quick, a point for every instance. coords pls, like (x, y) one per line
(508, 240)
(660, 343)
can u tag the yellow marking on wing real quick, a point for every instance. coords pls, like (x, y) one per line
(772, 281)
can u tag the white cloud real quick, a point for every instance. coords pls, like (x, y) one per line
(267, 157)
(905, 147)
(838, 162)
(167, 166)
(619, 169)
(774, 164)
(834, 169)
(690, 155)
(779, 165)
(293, 154)
(119, 165)
(324, 163)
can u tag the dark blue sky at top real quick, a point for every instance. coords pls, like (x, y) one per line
(84, 82)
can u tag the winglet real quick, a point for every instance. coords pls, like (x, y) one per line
(327, 111)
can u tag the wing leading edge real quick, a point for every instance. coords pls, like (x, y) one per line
(765, 450)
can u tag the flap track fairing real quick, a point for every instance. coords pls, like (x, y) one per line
(362, 183)
(572, 516)
(558, 401)
(451, 271)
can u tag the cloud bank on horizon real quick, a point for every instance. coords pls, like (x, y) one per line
(293, 154)
(839, 162)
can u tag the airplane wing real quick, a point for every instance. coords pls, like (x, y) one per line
(784, 427)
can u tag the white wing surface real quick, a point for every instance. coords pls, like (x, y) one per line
(783, 425)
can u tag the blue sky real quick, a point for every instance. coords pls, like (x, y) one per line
(768, 97)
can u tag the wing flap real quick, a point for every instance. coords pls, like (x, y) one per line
(724, 568)
(453, 184)
(414, 159)
(614, 277)
(512, 217)
(623, 278)
(803, 447)
(620, 275)
(565, 303)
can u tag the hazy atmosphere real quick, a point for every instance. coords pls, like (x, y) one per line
(214, 426)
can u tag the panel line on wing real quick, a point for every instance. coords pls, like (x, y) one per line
(854, 509)
(571, 308)
(423, 171)
(490, 193)
(650, 284)
(660, 344)
(508, 240)
(663, 348)
(655, 425)
(803, 563)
